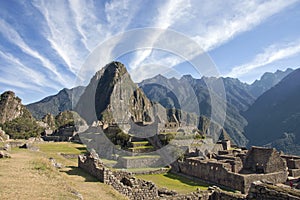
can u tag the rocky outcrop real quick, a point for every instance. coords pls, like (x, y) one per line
(49, 119)
(4, 154)
(207, 127)
(15, 119)
(112, 97)
(10, 107)
(3, 136)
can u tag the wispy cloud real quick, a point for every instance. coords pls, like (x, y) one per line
(168, 14)
(61, 34)
(270, 55)
(17, 66)
(238, 17)
(210, 24)
(14, 37)
(70, 30)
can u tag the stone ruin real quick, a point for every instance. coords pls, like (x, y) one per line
(121, 181)
(63, 134)
(293, 164)
(237, 169)
(134, 188)
(138, 189)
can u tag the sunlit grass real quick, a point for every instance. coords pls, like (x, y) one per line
(174, 182)
(62, 147)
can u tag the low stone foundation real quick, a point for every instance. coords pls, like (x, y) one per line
(134, 188)
(220, 173)
(261, 191)
(142, 162)
(294, 172)
(123, 182)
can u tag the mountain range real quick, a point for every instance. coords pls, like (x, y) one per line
(241, 101)
(62, 101)
(274, 118)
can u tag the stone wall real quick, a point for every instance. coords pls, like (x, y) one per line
(221, 173)
(264, 160)
(294, 172)
(293, 164)
(126, 184)
(141, 162)
(219, 194)
(123, 182)
(134, 188)
(260, 191)
(157, 171)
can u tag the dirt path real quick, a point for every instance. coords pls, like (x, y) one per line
(29, 175)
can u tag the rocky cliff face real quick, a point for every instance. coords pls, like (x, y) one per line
(112, 96)
(10, 107)
(15, 119)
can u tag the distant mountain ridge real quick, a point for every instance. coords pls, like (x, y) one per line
(274, 117)
(240, 96)
(62, 101)
(234, 122)
(267, 81)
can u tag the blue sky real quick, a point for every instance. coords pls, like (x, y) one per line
(44, 44)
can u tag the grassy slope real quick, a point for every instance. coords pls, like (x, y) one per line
(29, 175)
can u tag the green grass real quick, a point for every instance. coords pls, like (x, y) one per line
(142, 142)
(140, 157)
(174, 182)
(108, 162)
(142, 169)
(41, 165)
(141, 147)
(171, 133)
(62, 147)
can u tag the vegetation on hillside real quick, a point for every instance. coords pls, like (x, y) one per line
(22, 127)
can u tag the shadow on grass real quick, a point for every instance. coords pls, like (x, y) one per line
(186, 180)
(82, 150)
(75, 171)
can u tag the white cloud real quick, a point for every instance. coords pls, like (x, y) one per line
(14, 37)
(167, 15)
(159, 63)
(17, 66)
(239, 17)
(120, 14)
(60, 32)
(270, 55)
(210, 23)
(75, 27)
(88, 22)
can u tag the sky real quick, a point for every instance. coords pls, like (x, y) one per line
(49, 45)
